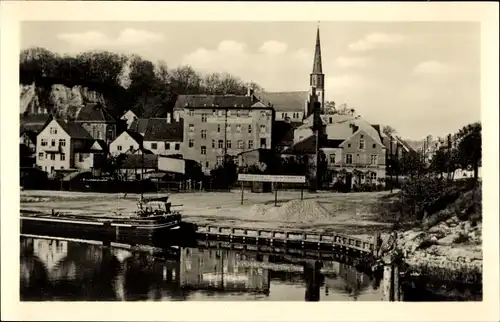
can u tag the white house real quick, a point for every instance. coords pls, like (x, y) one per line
(129, 117)
(64, 145)
(164, 136)
(126, 141)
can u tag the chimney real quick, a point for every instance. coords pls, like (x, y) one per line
(169, 118)
(249, 90)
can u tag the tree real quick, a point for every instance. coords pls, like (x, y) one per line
(343, 109)
(389, 131)
(468, 147)
(330, 107)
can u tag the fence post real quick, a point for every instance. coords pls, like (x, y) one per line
(376, 245)
(242, 192)
(387, 279)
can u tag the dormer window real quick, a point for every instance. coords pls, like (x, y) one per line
(361, 144)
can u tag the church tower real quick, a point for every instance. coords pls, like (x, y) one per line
(317, 78)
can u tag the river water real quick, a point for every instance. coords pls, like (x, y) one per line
(62, 270)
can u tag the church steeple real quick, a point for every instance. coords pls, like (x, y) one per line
(317, 66)
(317, 78)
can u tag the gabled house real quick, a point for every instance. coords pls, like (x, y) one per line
(353, 148)
(129, 117)
(62, 145)
(98, 122)
(164, 136)
(28, 138)
(127, 141)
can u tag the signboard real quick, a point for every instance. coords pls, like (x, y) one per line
(169, 164)
(271, 178)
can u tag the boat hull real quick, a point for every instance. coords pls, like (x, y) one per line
(130, 231)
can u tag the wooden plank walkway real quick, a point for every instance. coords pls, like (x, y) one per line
(289, 238)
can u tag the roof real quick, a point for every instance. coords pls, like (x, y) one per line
(306, 146)
(94, 112)
(342, 127)
(283, 132)
(213, 101)
(317, 67)
(134, 135)
(91, 145)
(33, 122)
(285, 101)
(30, 134)
(139, 125)
(137, 161)
(74, 130)
(159, 129)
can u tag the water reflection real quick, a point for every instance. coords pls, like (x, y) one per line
(76, 271)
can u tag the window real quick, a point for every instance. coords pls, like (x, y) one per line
(374, 146)
(283, 115)
(218, 127)
(119, 147)
(191, 143)
(361, 144)
(177, 146)
(250, 144)
(40, 155)
(228, 144)
(207, 164)
(348, 158)
(213, 144)
(238, 128)
(330, 120)
(250, 128)
(221, 144)
(191, 112)
(203, 150)
(228, 113)
(240, 144)
(203, 134)
(373, 176)
(44, 142)
(263, 143)
(332, 158)
(262, 128)
(62, 168)
(374, 159)
(53, 142)
(349, 145)
(204, 118)
(220, 159)
(63, 156)
(52, 156)
(53, 130)
(220, 112)
(62, 142)
(154, 146)
(131, 148)
(228, 128)
(191, 127)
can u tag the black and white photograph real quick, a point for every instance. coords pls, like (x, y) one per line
(270, 161)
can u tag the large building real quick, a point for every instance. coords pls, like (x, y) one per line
(219, 125)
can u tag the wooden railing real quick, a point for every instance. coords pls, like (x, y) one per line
(304, 239)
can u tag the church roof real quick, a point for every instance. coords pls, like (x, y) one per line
(214, 101)
(317, 66)
(285, 101)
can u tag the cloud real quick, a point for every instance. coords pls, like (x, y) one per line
(126, 39)
(347, 62)
(273, 47)
(347, 83)
(269, 65)
(431, 67)
(371, 41)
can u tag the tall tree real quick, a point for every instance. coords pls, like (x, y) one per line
(469, 150)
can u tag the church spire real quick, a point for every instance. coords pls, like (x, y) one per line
(317, 66)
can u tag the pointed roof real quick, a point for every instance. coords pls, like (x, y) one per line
(94, 112)
(317, 66)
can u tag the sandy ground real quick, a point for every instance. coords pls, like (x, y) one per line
(349, 213)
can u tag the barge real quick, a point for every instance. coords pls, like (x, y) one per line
(154, 221)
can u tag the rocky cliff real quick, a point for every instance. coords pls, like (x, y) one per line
(57, 99)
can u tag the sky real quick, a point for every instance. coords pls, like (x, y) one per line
(419, 77)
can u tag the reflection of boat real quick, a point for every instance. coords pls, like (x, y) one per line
(153, 218)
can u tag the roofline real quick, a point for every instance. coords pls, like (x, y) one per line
(359, 130)
(225, 108)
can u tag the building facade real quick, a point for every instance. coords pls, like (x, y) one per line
(97, 121)
(219, 125)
